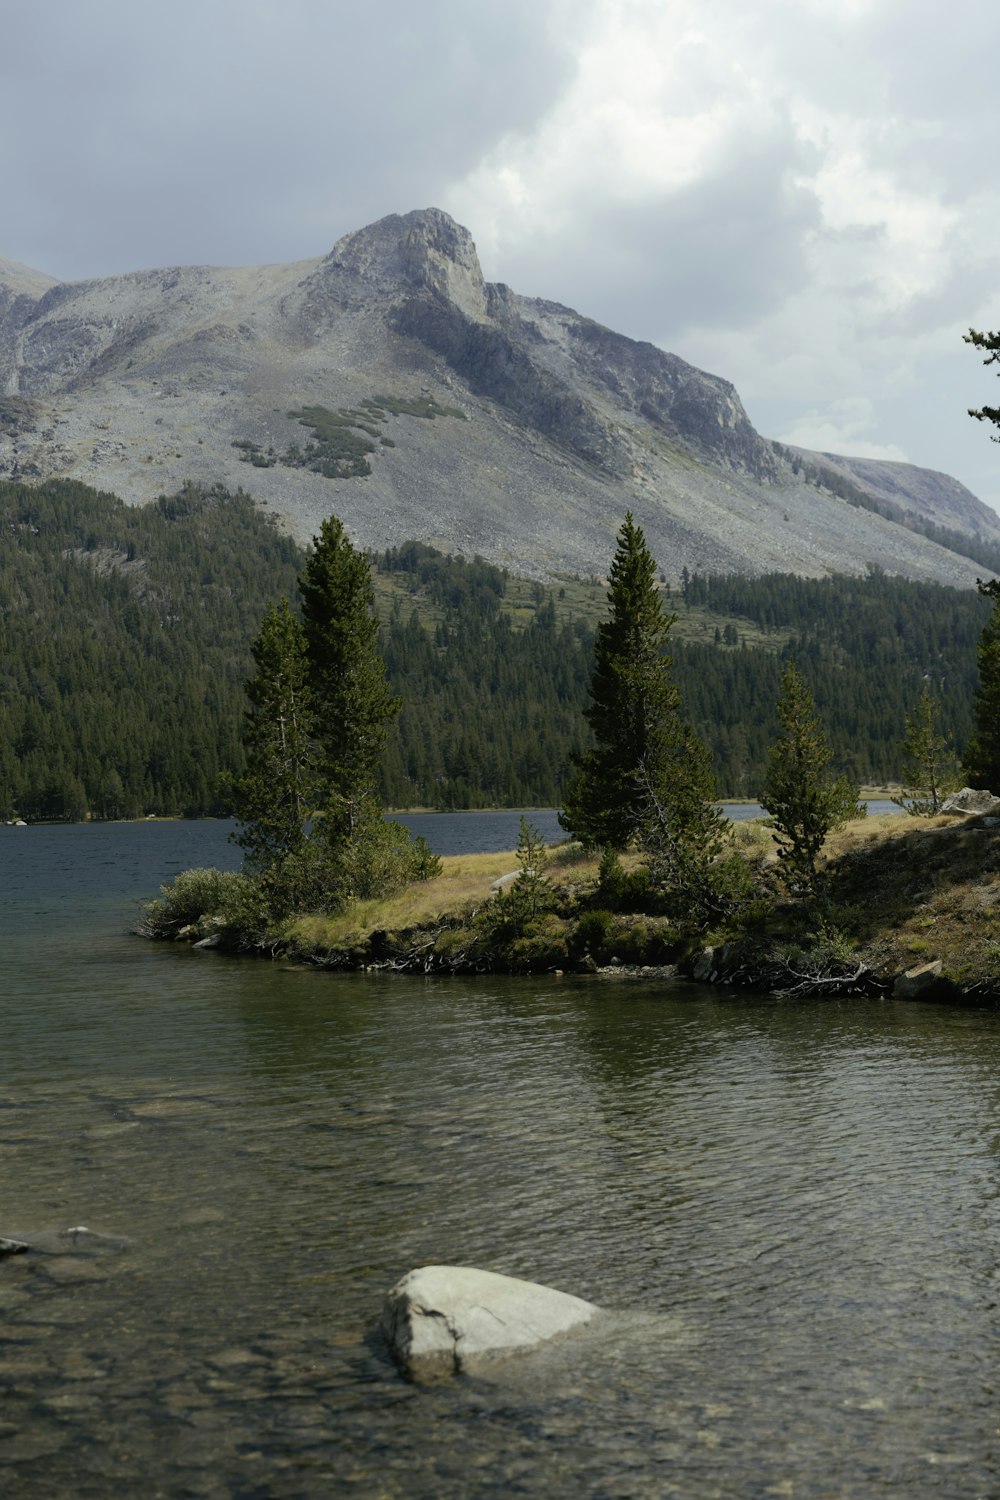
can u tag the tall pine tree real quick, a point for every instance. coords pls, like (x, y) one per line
(633, 698)
(930, 767)
(982, 755)
(648, 780)
(804, 800)
(277, 794)
(352, 702)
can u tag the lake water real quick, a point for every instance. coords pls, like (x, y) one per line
(794, 1205)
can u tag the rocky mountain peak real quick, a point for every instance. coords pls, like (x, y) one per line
(446, 409)
(23, 281)
(420, 251)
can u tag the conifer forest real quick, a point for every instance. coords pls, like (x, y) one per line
(125, 636)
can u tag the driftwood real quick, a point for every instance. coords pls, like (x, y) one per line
(785, 976)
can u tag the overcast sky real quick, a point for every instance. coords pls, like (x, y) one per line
(799, 195)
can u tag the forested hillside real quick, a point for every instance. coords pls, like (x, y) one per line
(124, 646)
(492, 711)
(124, 638)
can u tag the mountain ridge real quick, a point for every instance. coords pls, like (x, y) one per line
(510, 426)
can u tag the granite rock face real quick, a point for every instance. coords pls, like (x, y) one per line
(511, 426)
(439, 1319)
(971, 801)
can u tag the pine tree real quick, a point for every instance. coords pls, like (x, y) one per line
(633, 701)
(277, 794)
(982, 755)
(991, 343)
(804, 801)
(930, 769)
(683, 831)
(649, 780)
(351, 699)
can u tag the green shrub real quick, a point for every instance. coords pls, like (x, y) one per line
(542, 946)
(605, 935)
(239, 909)
(457, 943)
(424, 863)
(381, 857)
(643, 942)
(591, 934)
(191, 899)
(623, 890)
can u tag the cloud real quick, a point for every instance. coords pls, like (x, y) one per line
(720, 250)
(840, 428)
(243, 132)
(795, 195)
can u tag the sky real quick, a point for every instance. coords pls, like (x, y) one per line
(797, 195)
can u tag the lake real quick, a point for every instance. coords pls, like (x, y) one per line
(793, 1204)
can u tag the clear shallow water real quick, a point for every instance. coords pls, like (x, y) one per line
(796, 1203)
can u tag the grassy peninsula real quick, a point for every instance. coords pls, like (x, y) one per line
(902, 893)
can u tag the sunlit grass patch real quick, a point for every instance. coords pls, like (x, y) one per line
(464, 882)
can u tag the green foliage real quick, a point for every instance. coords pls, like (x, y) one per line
(126, 643)
(424, 863)
(337, 451)
(804, 801)
(412, 406)
(311, 819)
(379, 856)
(126, 633)
(194, 898)
(240, 910)
(540, 946)
(511, 912)
(278, 791)
(930, 769)
(649, 779)
(590, 935)
(531, 889)
(619, 889)
(603, 935)
(632, 700)
(990, 342)
(682, 832)
(493, 684)
(982, 756)
(352, 701)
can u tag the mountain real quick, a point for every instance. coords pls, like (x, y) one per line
(389, 383)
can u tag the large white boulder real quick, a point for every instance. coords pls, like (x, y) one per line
(451, 1317)
(971, 801)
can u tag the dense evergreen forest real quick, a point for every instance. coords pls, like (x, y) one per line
(124, 646)
(124, 638)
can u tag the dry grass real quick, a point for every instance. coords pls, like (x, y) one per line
(903, 891)
(464, 882)
(463, 885)
(750, 837)
(920, 889)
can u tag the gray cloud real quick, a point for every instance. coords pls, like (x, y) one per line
(718, 252)
(236, 132)
(797, 196)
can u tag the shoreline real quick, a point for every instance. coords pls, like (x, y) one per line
(910, 908)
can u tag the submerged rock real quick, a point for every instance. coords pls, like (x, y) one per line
(78, 1239)
(448, 1318)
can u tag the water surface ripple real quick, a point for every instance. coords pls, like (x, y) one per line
(793, 1204)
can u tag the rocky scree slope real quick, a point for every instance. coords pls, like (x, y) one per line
(389, 383)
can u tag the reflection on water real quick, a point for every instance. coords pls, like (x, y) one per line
(796, 1204)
